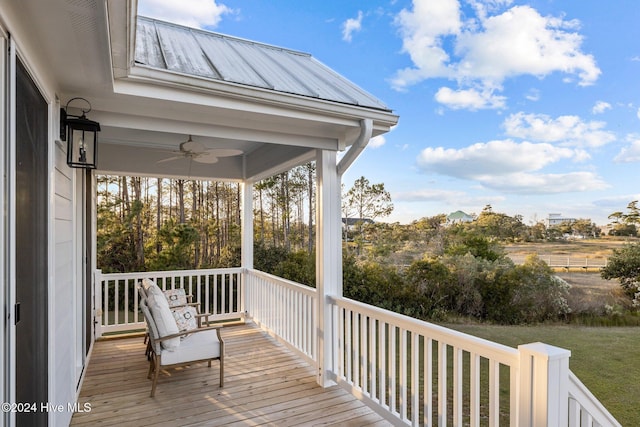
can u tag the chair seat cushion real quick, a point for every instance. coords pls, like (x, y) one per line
(201, 345)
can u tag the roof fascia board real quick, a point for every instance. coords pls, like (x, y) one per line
(204, 98)
(255, 95)
(121, 17)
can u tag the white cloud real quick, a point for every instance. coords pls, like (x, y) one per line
(600, 107)
(377, 141)
(380, 140)
(469, 99)
(638, 113)
(521, 41)
(429, 195)
(489, 49)
(533, 95)
(192, 13)
(527, 183)
(566, 130)
(446, 197)
(491, 158)
(350, 26)
(616, 201)
(509, 166)
(423, 30)
(629, 154)
(483, 7)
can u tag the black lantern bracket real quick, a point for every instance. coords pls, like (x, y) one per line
(81, 135)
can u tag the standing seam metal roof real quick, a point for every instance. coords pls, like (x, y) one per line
(190, 51)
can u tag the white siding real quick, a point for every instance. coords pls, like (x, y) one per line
(62, 343)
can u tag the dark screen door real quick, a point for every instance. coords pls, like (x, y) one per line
(31, 247)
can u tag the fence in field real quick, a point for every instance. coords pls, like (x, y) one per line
(568, 262)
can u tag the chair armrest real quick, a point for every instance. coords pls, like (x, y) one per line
(201, 316)
(192, 331)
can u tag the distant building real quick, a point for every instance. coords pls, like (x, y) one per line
(350, 223)
(557, 219)
(458, 217)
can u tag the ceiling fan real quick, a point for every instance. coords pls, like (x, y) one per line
(197, 151)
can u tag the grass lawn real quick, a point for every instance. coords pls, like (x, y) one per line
(605, 359)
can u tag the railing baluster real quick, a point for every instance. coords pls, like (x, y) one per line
(116, 305)
(494, 393)
(513, 398)
(402, 383)
(382, 352)
(457, 386)
(105, 302)
(357, 366)
(474, 389)
(428, 386)
(373, 333)
(224, 303)
(363, 353)
(393, 360)
(304, 315)
(442, 384)
(340, 344)
(415, 382)
(348, 347)
(298, 325)
(125, 309)
(209, 309)
(135, 302)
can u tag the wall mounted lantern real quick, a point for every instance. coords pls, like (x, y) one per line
(81, 135)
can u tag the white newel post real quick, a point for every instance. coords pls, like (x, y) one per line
(328, 257)
(544, 378)
(247, 241)
(97, 301)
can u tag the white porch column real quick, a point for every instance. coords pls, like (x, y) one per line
(544, 378)
(246, 224)
(328, 256)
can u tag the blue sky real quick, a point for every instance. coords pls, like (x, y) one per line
(532, 107)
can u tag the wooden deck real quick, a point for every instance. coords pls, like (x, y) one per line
(265, 384)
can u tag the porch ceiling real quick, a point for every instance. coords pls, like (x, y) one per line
(87, 48)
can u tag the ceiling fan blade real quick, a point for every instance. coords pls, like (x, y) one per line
(170, 159)
(224, 152)
(206, 157)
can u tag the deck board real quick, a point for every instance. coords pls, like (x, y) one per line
(265, 384)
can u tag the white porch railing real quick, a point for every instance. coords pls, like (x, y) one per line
(584, 408)
(285, 309)
(219, 292)
(416, 373)
(411, 372)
